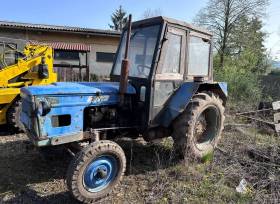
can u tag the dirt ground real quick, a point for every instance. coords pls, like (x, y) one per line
(153, 175)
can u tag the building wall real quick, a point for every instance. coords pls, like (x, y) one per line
(13, 37)
(101, 68)
(97, 43)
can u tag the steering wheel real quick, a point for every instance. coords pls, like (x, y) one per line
(141, 69)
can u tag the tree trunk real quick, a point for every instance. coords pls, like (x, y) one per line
(225, 34)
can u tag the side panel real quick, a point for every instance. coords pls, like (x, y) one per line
(71, 107)
(176, 103)
(65, 107)
(181, 98)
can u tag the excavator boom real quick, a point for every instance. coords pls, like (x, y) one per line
(34, 68)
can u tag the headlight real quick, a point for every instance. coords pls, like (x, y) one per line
(43, 108)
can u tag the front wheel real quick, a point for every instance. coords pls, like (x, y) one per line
(198, 130)
(13, 116)
(96, 171)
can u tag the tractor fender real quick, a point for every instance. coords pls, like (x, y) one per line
(179, 100)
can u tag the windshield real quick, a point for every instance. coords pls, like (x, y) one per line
(141, 51)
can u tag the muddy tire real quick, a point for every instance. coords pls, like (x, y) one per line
(95, 171)
(13, 116)
(198, 129)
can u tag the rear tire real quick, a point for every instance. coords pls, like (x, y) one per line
(198, 129)
(96, 171)
(13, 116)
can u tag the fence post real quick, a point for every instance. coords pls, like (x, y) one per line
(87, 68)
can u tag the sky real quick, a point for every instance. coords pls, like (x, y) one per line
(96, 13)
(272, 28)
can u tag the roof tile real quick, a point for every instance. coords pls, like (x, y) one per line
(10, 24)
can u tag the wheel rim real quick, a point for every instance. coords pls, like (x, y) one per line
(100, 173)
(207, 127)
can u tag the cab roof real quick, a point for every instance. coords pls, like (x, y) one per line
(182, 24)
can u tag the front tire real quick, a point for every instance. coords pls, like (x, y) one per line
(13, 116)
(198, 129)
(96, 171)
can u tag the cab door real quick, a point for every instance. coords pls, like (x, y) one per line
(170, 70)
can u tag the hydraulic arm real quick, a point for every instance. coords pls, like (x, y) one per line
(35, 67)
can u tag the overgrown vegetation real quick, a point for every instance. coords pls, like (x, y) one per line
(154, 174)
(241, 60)
(240, 55)
(225, 18)
(244, 86)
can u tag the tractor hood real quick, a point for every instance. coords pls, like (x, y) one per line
(69, 88)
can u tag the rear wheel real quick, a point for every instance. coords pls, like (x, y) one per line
(13, 116)
(198, 130)
(96, 171)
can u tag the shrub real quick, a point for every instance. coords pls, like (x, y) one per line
(94, 77)
(243, 86)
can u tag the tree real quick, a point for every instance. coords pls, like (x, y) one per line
(222, 16)
(119, 19)
(247, 42)
(149, 13)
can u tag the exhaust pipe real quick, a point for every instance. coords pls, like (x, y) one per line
(125, 65)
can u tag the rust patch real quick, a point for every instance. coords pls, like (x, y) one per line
(41, 121)
(52, 100)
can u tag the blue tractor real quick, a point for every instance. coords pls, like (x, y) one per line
(161, 85)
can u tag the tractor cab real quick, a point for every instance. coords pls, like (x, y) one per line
(163, 54)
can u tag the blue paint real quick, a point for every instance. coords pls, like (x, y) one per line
(66, 98)
(72, 99)
(178, 102)
(93, 181)
(181, 98)
(62, 88)
(223, 86)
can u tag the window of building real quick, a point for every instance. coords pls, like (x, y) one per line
(70, 57)
(199, 50)
(105, 57)
(66, 55)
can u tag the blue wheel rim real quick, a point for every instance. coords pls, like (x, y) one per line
(100, 173)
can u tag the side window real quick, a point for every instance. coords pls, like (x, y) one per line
(198, 63)
(171, 62)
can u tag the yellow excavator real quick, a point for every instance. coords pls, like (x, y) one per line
(33, 67)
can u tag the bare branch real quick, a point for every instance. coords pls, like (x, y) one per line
(221, 16)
